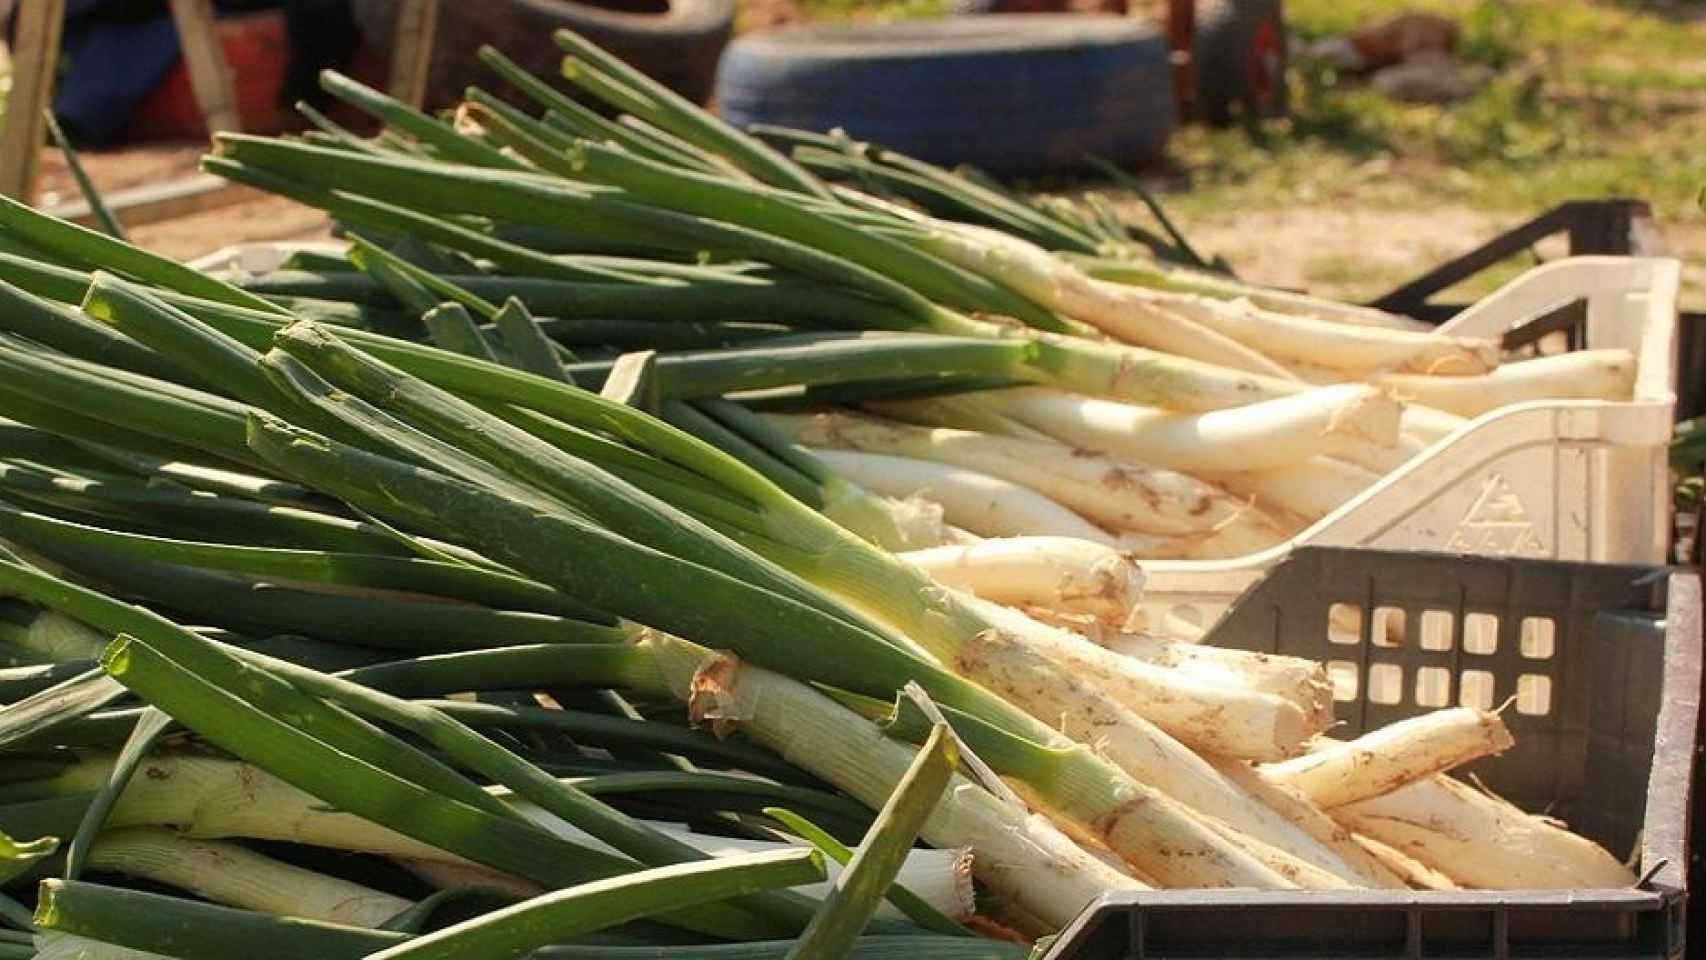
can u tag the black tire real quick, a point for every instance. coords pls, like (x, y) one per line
(971, 8)
(1013, 94)
(677, 42)
(1239, 59)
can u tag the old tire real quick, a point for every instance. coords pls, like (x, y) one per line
(1240, 58)
(1013, 94)
(677, 42)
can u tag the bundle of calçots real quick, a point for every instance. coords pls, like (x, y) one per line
(372, 613)
(1086, 392)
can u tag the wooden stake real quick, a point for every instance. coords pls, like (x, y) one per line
(411, 54)
(35, 59)
(204, 58)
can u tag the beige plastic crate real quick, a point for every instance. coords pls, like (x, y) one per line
(259, 257)
(1582, 480)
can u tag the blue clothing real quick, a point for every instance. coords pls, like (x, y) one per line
(115, 53)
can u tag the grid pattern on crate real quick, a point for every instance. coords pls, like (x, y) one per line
(1606, 742)
(1570, 646)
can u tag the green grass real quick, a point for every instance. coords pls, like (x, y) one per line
(1586, 100)
(1494, 29)
(868, 10)
(1589, 99)
(751, 12)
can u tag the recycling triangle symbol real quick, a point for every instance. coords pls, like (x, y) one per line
(1497, 524)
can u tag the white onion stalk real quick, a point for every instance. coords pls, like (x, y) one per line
(1304, 875)
(56, 638)
(1415, 873)
(1380, 459)
(1481, 840)
(468, 875)
(1233, 540)
(1113, 494)
(239, 877)
(1579, 375)
(942, 878)
(53, 945)
(1022, 857)
(1157, 835)
(1318, 376)
(984, 505)
(1300, 304)
(1260, 436)
(1428, 425)
(953, 536)
(1285, 301)
(1024, 676)
(1177, 628)
(1056, 573)
(1309, 490)
(207, 797)
(967, 411)
(1145, 320)
(1129, 314)
(1341, 772)
(915, 522)
(1312, 820)
(1083, 624)
(1303, 682)
(1158, 275)
(1174, 322)
(1356, 350)
(1138, 374)
(210, 798)
(1420, 427)
(1145, 546)
(1207, 716)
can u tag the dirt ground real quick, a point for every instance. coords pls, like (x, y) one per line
(257, 218)
(1358, 254)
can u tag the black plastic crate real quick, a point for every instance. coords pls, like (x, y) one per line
(1605, 662)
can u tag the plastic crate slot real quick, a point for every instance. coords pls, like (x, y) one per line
(1549, 345)
(1186, 615)
(1344, 624)
(1481, 634)
(1557, 329)
(1458, 932)
(1533, 695)
(1539, 638)
(1385, 683)
(1344, 676)
(1475, 689)
(1436, 630)
(1433, 687)
(1388, 627)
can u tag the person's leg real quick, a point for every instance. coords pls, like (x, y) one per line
(323, 33)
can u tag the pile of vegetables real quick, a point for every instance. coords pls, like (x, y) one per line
(1022, 368)
(525, 583)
